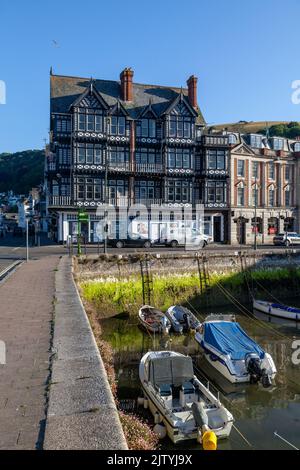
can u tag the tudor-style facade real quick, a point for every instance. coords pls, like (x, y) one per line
(123, 143)
(213, 170)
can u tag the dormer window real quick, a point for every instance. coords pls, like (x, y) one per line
(256, 141)
(180, 127)
(117, 125)
(232, 139)
(278, 144)
(90, 121)
(146, 128)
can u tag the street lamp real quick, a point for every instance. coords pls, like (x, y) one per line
(27, 239)
(106, 203)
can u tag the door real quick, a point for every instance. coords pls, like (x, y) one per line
(217, 229)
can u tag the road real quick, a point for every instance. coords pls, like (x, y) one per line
(12, 248)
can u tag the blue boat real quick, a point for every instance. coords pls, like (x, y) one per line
(277, 310)
(233, 353)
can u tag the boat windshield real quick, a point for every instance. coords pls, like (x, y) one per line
(173, 370)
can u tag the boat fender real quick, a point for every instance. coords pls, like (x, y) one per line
(209, 441)
(213, 357)
(160, 430)
(157, 417)
(146, 404)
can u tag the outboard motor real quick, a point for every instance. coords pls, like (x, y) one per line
(164, 325)
(205, 435)
(253, 365)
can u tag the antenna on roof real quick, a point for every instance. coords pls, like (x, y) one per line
(267, 130)
(51, 70)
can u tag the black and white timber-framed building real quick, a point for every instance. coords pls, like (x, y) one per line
(124, 143)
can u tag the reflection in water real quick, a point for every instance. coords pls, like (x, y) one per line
(258, 412)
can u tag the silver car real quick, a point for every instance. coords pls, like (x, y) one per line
(287, 239)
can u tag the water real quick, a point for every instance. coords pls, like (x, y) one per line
(258, 412)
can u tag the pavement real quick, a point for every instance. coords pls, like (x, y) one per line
(26, 313)
(82, 413)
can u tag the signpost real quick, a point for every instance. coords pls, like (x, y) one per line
(82, 217)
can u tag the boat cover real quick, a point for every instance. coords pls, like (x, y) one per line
(173, 370)
(229, 338)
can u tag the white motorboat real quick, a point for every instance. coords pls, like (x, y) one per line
(180, 402)
(277, 310)
(182, 318)
(154, 320)
(233, 353)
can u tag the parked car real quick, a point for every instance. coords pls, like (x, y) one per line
(287, 239)
(129, 242)
(18, 232)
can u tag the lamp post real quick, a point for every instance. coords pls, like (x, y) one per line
(27, 240)
(105, 202)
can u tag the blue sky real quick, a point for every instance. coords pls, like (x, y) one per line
(245, 53)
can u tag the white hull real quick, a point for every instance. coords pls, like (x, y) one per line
(180, 424)
(233, 371)
(269, 309)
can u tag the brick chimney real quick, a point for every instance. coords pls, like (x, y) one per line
(192, 89)
(126, 84)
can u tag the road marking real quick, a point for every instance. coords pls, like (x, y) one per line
(17, 248)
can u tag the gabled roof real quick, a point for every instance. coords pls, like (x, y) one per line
(178, 99)
(64, 91)
(90, 90)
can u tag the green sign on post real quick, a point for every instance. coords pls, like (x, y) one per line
(82, 217)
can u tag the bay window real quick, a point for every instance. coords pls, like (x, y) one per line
(178, 191)
(88, 189)
(89, 154)
(118, 155)
(216, 192)
(180, 126)
(90, 120)
(179, 158)
(216, 159)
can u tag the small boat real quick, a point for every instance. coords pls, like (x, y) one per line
(233, 353)
(277, 310)
(179, 402)
(154, 320)
(182, 318)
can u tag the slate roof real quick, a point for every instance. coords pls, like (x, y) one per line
(65, 90)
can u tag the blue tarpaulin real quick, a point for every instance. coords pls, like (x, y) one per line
(230, 338)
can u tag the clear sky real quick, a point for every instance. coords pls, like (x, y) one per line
(245, 53)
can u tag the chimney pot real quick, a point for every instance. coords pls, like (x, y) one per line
(192, 90)
(126, 84)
